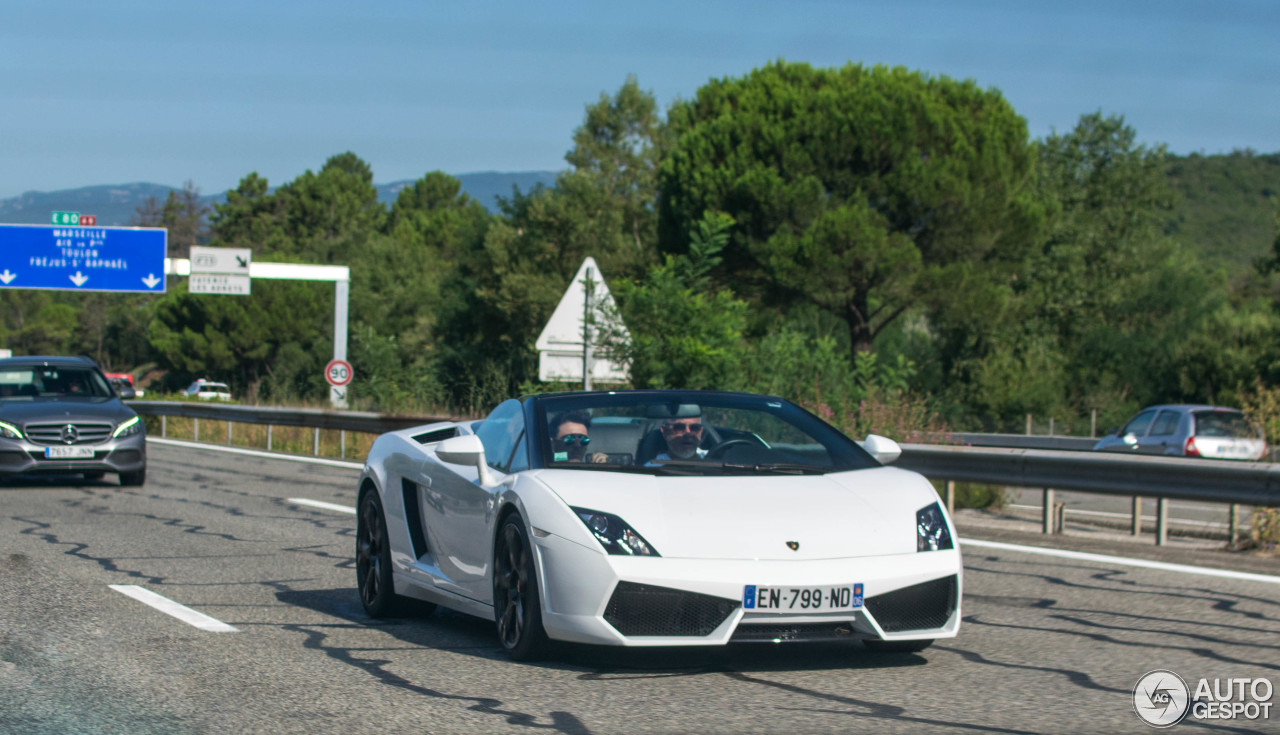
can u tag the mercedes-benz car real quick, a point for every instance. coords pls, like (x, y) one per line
(58, 415)
(657, 518)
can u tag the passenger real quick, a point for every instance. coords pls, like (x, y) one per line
(570, 435)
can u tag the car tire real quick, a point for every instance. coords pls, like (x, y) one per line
(897, 646)
(93, 476)
(373, 562)
(134, 479)
(517, 606)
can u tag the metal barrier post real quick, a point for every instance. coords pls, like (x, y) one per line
(316, 451)
(1162, 521)
(268, 437)
(1233, 524)
(951, 496)
(1137, 515)
(164, 429)
(197, 436)
(342, 444)
(228, 433)
(1047, 511)
(1059, 517)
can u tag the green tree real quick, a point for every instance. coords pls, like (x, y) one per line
(682, 332)
(865, 191)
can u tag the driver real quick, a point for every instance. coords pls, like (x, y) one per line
(683, 436)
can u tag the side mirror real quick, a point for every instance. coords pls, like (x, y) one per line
(465, 450)
(884, 449)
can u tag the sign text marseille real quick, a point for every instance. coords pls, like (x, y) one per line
(70, 258)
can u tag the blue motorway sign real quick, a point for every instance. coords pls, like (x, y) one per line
(69, 258)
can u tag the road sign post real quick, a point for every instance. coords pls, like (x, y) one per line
(75, 258)
(338, 373)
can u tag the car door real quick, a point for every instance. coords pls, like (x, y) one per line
(1162, 437)
(1133, 432)
(461, 516)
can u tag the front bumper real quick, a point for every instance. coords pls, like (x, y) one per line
(591, 597)
(21, 457)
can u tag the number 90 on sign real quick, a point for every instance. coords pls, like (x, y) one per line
(338, 373)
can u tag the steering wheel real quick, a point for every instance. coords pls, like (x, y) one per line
(719, 450)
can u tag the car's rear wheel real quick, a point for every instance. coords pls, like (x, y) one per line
(373, 561)
(897, 646)
(133, 479)
(516, 605)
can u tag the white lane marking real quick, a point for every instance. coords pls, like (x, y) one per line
(1108, 514)
(324, 505)
(169, 607)
(257, 453)
(1123, 561)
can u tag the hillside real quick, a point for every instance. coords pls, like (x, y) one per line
(1226, 205)
(115, 205)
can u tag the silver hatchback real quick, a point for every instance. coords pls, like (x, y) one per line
(1187, 430)
(59, 415)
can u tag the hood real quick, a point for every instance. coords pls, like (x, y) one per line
(860, 513)
(64, 410)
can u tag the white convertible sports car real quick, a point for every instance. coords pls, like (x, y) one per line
(657, 518)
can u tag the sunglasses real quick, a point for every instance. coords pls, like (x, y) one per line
(681, 428)
(571, 439)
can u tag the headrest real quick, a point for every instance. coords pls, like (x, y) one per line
(673, 411)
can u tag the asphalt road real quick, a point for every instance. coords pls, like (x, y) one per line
(1047, 645)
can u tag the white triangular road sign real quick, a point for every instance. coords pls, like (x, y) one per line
(560, 344)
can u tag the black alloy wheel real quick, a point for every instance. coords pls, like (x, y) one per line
(373, 560)
(516, 606)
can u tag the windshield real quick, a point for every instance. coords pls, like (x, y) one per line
(683, 433)
(46, 381)
(1225, 425)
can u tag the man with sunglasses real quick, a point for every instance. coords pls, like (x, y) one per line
(683, 436)
(570, 432)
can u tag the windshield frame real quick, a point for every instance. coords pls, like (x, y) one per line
(846, 455)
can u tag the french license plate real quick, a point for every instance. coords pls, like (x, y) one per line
(762, 598)
(68, 452)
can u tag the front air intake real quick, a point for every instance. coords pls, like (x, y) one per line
(921, 606)
(646, 610)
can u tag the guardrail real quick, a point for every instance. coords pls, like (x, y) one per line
(1053, 463)
(312, 418)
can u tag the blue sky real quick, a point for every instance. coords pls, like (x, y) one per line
(121, 92)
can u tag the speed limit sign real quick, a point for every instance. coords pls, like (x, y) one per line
(338, 373)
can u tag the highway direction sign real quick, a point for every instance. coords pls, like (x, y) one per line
(219, 283)
(234, 261)
(66, 258)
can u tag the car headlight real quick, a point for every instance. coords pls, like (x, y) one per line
(931, 529)
(614, 534)
(128, 428)
(9, 431)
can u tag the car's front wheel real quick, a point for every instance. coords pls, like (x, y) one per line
(897, 646)
(516, 606)
(134, 479)
(373, 561)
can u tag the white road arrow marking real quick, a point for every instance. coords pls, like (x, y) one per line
(7, 276)
(78, 278)
(151, 280)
